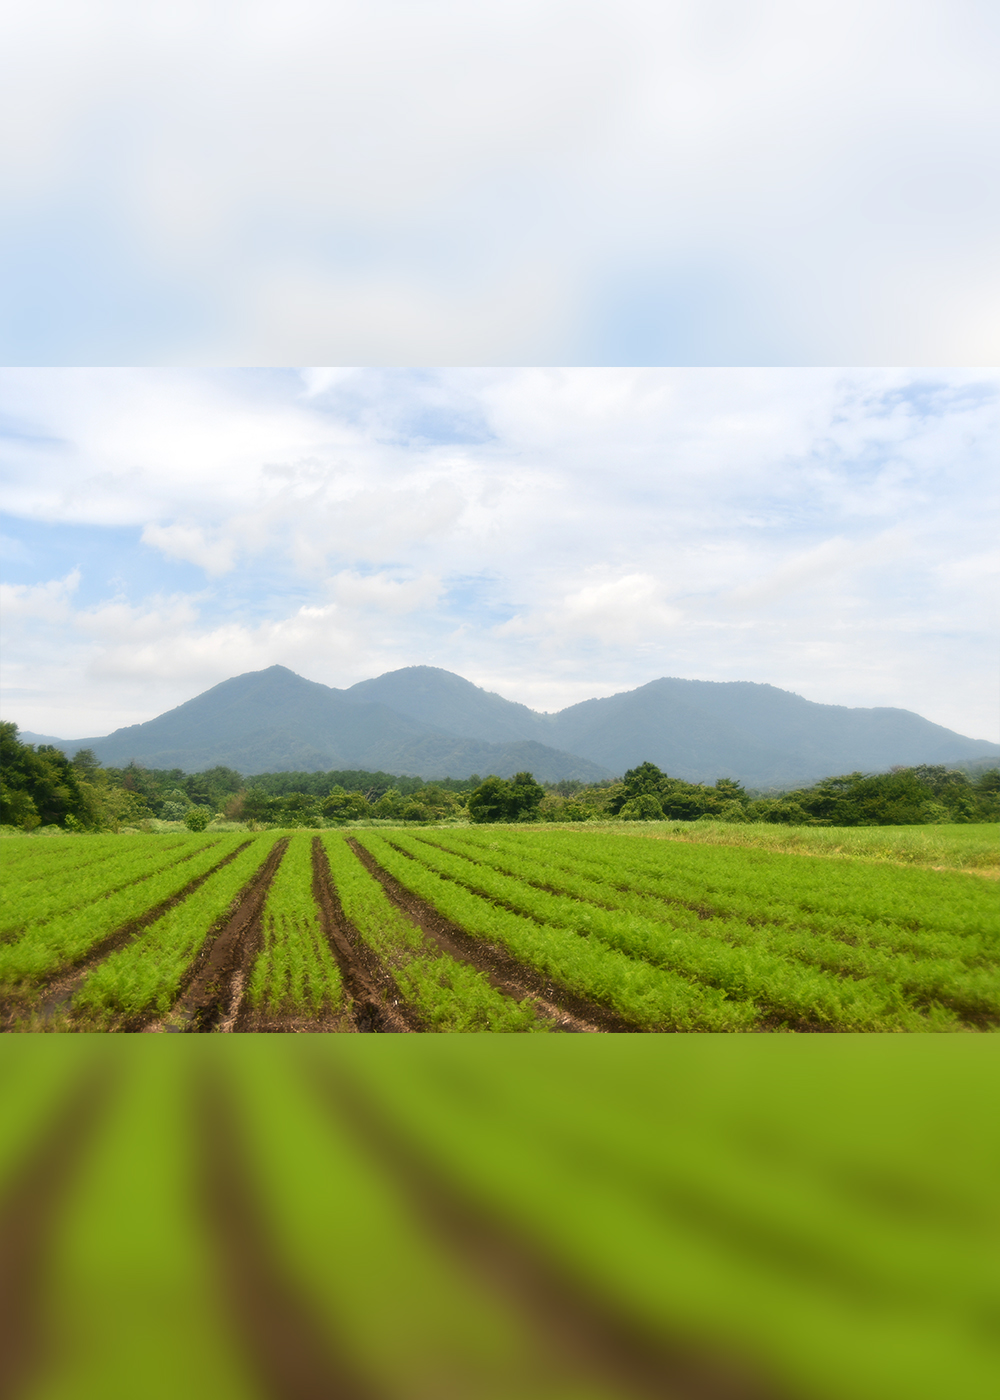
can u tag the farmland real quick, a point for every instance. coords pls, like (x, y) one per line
(496, 929)
(683, 1216)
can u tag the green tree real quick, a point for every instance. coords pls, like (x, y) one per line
(197, 818)
(38, 783)
(497, 800)
(526, 797)
(490, 802)
(646, 780)
(390, 805)
(346, 806)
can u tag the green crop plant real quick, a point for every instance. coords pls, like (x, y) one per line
(727, 956)
(58, 893)
(43, 949)
(145, 977)
(449, 995)
(795, 971)
(652, 998)
(295, 972)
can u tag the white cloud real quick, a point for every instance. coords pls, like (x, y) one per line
(383, 594)
(189, 542)
(509, 183)
(615, 611)
(43, 602)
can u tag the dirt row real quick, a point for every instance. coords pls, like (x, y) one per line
(568, 1010)
(59, 989)
(213, 993)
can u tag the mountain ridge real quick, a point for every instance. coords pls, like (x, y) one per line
(434, 723)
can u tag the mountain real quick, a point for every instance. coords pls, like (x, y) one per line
(764, 736)
(442, 699)
(274, 721)
(430, 722)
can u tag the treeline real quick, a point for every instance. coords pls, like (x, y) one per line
(916, 796)
(42, 787)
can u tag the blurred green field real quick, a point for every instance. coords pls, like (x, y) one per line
(481, 1218)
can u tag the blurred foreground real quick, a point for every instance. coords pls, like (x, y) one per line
(714, 1218)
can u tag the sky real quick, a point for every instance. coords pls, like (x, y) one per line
(507, 182)
(551, 534)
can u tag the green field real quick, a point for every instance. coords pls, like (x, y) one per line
(685, 1217)
(504, 929)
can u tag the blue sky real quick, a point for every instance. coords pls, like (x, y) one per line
(526, 182)
(550, 534)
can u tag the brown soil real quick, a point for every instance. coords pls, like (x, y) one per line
(30, 1222)
(577, 1330)
(294, 1352)
(61, 986)
(377, 1003)
(567, 1009)
(215, 982)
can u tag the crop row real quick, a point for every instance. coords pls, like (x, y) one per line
(41, 950)
(763, 981)
(295, 973)
(776, 974)
(145, 977)
(43, 899)
(651, 998)
(448, 995)
(810, 891)
(27, 864)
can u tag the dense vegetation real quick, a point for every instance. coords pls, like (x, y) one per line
(42, 788)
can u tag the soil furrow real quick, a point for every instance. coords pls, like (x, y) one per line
(62, 985)
(293, 1352)
(568, 1010)
(217, 977)
(29, 1221)
(578, 1331)
(378, 1006)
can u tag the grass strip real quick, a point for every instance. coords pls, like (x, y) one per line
(295, 971)
(146, 977)
(959, 846)
(649, 997)
(450, 995)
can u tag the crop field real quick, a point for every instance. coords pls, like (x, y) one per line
(493, 929)
(684, 1218)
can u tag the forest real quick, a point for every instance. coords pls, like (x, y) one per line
(41, 788)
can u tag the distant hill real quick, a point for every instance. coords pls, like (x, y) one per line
(429, 722)
(275, 721)
(764, 736)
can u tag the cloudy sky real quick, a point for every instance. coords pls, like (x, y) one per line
(500, 182)
(550, 534)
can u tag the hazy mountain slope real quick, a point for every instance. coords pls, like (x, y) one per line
(763, 735)
(442, 699)
(427, 721)
(274, 720)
